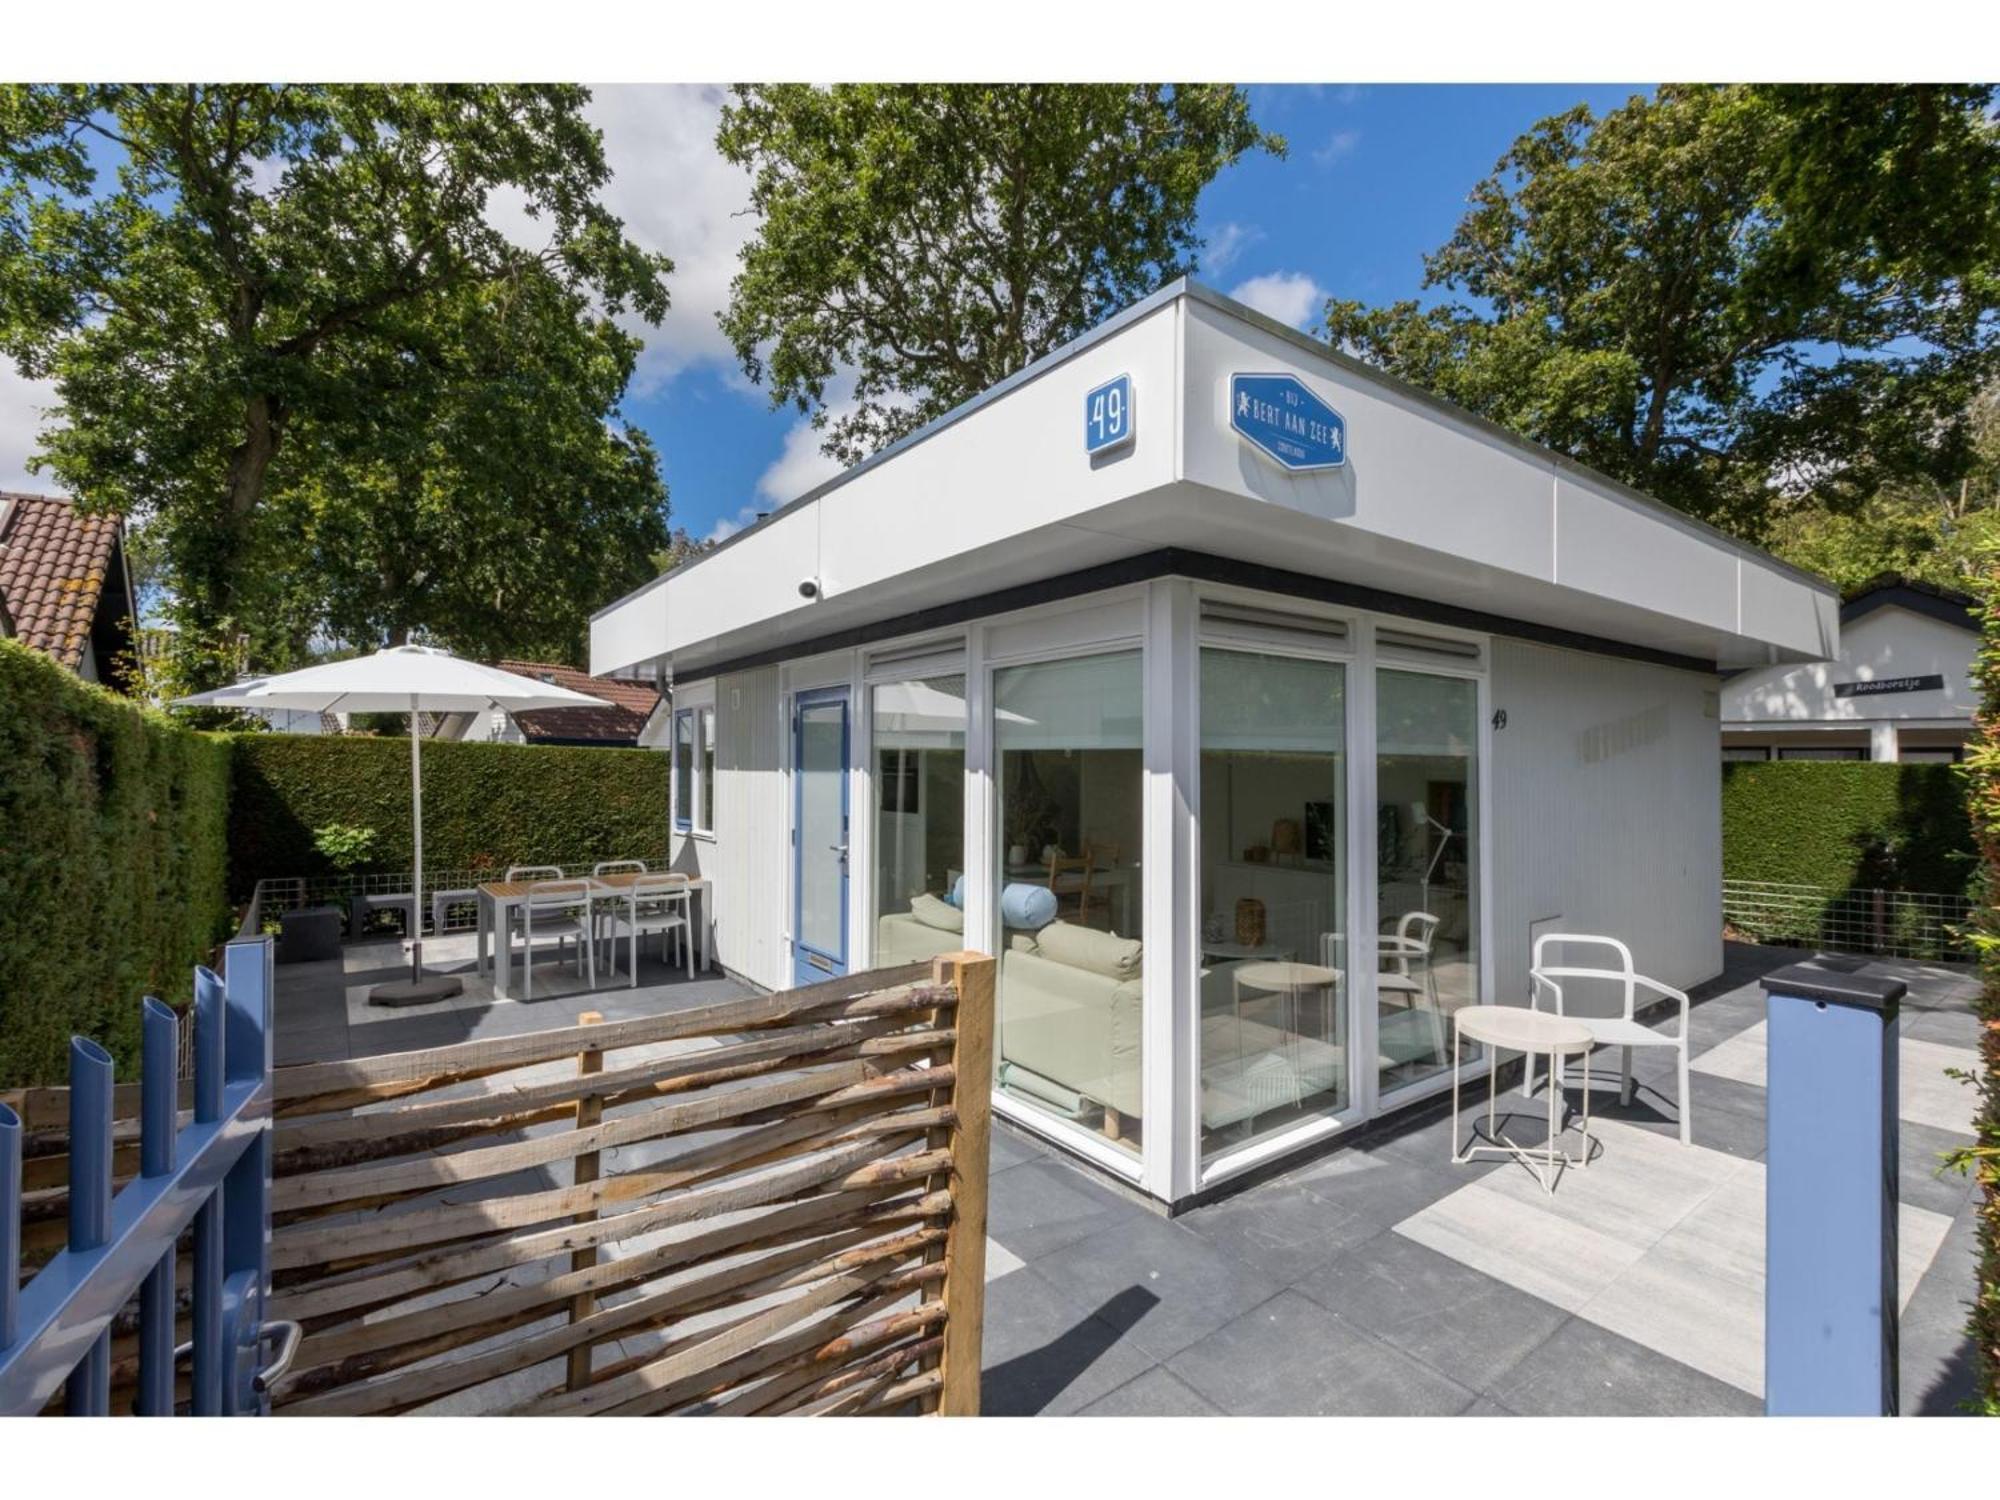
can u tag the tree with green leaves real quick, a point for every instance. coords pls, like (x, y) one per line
(1730, 297)
(930, 240)
(290, 338)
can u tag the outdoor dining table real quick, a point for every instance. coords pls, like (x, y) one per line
(499, 898)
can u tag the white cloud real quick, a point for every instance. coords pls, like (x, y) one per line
(678, 196)
(21, 403)
(800, 465)
(1341, 143)
(1228, 242)
(1289, 296)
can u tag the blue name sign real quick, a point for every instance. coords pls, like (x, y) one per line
(1107, 415)
(1280, 417)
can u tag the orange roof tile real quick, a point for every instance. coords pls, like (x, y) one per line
(53, 565)
(632, 704)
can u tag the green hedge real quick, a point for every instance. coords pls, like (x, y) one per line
(1847, 824)
(112, 844)
(485, 806)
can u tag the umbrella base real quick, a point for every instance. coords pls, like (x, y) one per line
(426, 991)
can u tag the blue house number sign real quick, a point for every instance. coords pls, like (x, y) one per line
(1107, 415)
(1280, 417)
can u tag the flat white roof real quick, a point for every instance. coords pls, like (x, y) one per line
(1432, 506)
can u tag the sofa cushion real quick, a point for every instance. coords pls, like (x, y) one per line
(1088, 949)
(933, 911)
(1029, 906)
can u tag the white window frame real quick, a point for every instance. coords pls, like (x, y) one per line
(697, 706)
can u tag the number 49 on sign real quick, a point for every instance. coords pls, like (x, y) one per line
(1107, 415)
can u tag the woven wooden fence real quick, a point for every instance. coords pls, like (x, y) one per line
(772, 1205)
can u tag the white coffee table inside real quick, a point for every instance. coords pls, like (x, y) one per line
(1514, 1028)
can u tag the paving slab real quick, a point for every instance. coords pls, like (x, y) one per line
(1582, 1370)
(1190, 1287)
(1047, 1354)
(1156, 1393)
(1289, 1356)
(1458, 1321)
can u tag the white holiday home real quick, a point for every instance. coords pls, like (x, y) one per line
(1256, 709)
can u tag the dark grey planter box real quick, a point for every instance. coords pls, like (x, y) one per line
(308, 933)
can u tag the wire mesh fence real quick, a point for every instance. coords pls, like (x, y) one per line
(1925, 925)
(378, 901)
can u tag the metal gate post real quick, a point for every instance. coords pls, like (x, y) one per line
(246, 1194)
(1830, 1288)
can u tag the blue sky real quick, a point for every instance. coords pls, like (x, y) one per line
(1376, 176)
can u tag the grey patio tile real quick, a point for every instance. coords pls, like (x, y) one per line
(1010, 1150)
(1194, 1287)
(1938, 1366)
(1582, 1370)
(1280, 1230)
(1291, 1357)
(1950, 1026)
(310, 1044)
(1921, 1149)
(1045, 1354)
(1459, 1321)
(1382, 1188)
(1157, 1393)
(1042, 1206)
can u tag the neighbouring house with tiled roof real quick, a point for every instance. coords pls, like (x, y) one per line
(633, 705)
(64, 587)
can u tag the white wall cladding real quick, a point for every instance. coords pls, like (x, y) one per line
(1606, 810)
(1887, 642)
(746, 858)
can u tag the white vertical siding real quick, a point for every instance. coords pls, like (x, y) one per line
(747, 859)
(1606, 810)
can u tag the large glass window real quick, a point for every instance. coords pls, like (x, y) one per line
(705, 797)
(1427, 862)
(1068, 740)
(684, 769)
(1273, 973)
(919, 766)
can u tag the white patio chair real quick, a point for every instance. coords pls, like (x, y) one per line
(559, 909)
(1624, 1030)
(653, 903)
(619, 867)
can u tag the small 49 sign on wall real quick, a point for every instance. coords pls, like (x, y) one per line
(1107, 415)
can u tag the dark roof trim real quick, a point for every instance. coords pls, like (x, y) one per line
(1943, 605)
(1195, 291)
(1204, 568)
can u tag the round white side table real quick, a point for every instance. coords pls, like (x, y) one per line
(1514, 1028)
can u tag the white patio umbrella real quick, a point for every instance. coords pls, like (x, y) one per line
(411, 680)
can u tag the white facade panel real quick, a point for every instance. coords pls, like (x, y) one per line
(1408, 476)
(1017, 465)
(1607, 545)
(631, 631)
(746, 857)
(1887, 643)
(1607, 811)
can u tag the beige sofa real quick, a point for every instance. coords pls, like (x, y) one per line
(1070, 1014)
(920, 934)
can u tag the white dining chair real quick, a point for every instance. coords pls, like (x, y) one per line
(1623, 1030)
(653, 903)
(1414, 942)
(619, 867)
(559, 909)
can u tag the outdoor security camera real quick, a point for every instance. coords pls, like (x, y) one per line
(808, 588)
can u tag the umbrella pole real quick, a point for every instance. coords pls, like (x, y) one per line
(416, 990)
(417, 827)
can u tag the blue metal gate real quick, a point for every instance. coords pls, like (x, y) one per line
(213, 1174)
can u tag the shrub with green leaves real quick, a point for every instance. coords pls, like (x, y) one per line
(486, 806)
(113, 827)
(1847, 825)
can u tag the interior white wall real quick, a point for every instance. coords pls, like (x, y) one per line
(1607, 811)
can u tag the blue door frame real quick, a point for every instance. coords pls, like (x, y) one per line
(814, 962)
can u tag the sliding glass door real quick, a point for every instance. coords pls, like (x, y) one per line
(1427, 868)
(1068, 743)
(1273, 980)
(919, 778)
